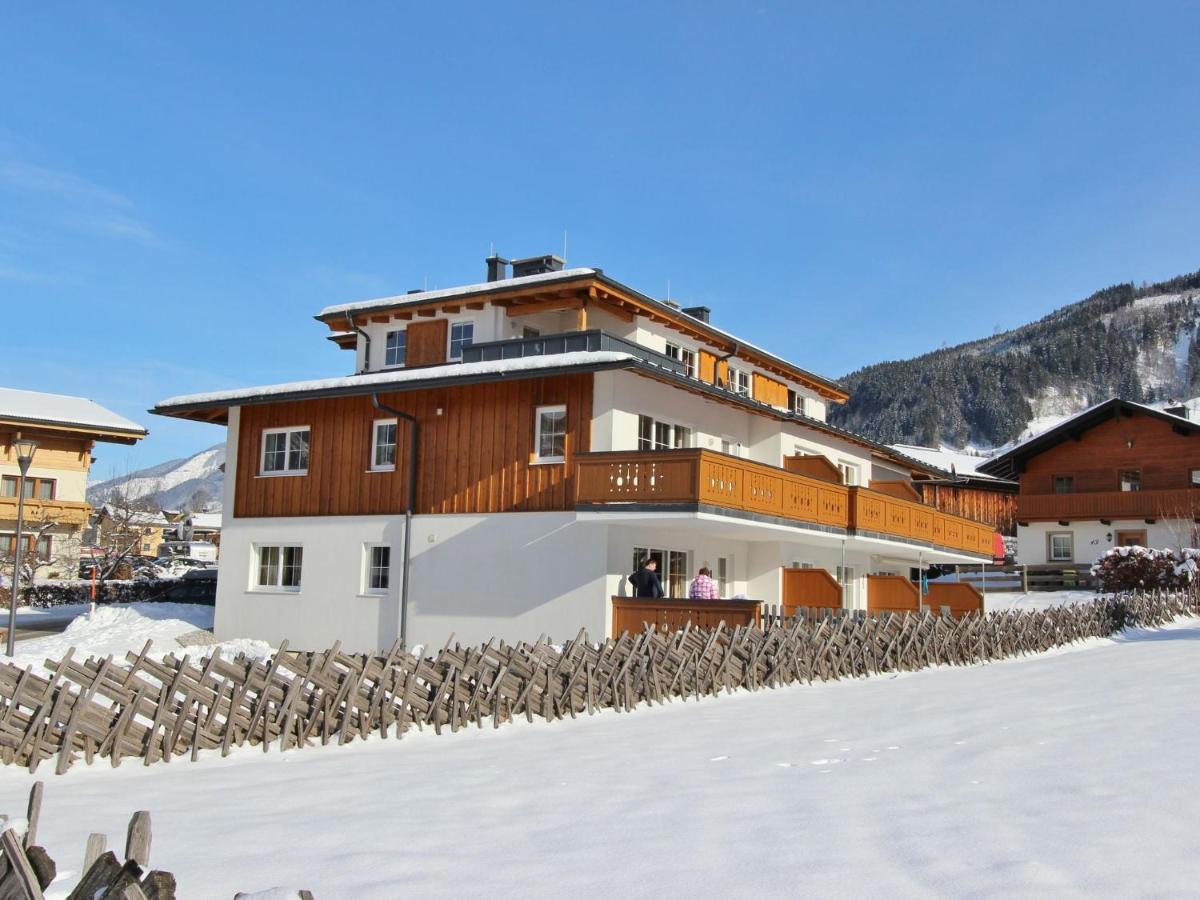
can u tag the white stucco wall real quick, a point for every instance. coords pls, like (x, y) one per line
(1092, 539)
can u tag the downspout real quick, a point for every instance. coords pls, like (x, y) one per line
(720, 359)
(410, 501)
(366, 343)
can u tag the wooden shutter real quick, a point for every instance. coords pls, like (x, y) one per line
(427, 343)
(768, 390)
(708, 365)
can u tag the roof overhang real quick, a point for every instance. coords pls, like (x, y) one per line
(80, 430)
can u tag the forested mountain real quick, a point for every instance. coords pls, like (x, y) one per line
(1135, 342)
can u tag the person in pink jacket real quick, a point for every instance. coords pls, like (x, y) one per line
(703, 587)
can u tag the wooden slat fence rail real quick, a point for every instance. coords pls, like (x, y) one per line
(152, 710)
(634, 613)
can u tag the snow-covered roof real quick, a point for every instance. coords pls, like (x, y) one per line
(384, 380)
(418, 297)
(947, 459)
(38, 408)
(141, 517)
(206, 520)
(482, 287)
(1002, 463)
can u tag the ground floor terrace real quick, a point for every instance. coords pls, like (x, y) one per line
(514, 576)
(1082, 541)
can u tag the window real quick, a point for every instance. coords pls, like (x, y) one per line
(672, 568)
(530, 333)
(379, 569)
(724, 573)
(739, 381)
(461, 334)
(797, 403)
(849, 473)
(685, 356)
(35, 488)
(145, 547)
(383, 453)
(43, 547)
(285, 451)
(731, 446)
(1130, 479)
(396, 348)
(551, 438)
(1060, 546)
(279, 567)
(1195, 477)
(846, 577)
(1064, 484)
(656, 435)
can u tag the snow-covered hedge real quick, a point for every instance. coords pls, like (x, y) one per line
(44, 594)
(1130, 568)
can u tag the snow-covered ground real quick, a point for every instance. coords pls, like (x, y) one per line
(120, 627)
(1034, 600)
(1070, 774)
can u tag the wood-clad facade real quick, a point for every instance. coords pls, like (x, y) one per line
(476, 452)
(995, 505)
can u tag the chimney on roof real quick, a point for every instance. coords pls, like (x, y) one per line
(698, 312)
(497, 268)
(537, 265)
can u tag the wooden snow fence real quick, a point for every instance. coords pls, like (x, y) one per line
(155, 711)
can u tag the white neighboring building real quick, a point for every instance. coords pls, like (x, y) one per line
(567, 425)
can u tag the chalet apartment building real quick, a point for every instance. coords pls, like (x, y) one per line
(56, 509)
(568, 425)
(1119, 473)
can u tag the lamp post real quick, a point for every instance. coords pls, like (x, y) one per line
(24, 448)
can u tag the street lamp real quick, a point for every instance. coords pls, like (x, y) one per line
(25, 448)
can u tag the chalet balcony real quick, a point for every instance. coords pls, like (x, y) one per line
(696, 478)
(1181, 504)
(64, 512)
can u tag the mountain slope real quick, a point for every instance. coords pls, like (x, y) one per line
(1135, 342)
(193, 483)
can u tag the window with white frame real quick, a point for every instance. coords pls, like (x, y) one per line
(377, 576)
(396, 348)
(279, 567)
(285, 451)
(1060, 546)
(654, 434)
(849, 473)
(739, 381)
(798, 403)
(685, 356)
(732, 446)
(673, 569)
(383, 446)
(846, 577)
(724, 574)
(461, 334)
(550, 439)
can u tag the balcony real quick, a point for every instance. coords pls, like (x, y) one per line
(702, 477)
(64, 512)
(1179, 504)
(591, 341)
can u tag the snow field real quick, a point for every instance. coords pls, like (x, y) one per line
(1069, 774)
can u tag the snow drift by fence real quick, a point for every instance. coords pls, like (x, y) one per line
(155, 711)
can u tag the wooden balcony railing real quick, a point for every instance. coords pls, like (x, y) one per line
(1182, 504)
(702, 476)
(632, 614)
(64, 512)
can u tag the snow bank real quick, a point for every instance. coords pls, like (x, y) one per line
(1057, 775)
(120, 628)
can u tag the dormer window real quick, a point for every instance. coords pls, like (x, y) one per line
(685, 356)
(396, 349)
(461, 334)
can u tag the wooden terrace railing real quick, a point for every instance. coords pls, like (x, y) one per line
(718, 479)
(1183, 504)
(632, 614)
(65, 512)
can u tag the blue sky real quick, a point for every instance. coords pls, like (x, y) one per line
(842, 183)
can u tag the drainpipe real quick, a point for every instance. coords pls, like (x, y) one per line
(720, 359)
(366, 341)
(410, 501)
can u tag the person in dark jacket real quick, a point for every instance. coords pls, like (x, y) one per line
(645, 581)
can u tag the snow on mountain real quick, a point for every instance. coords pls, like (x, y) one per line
(196, 482)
